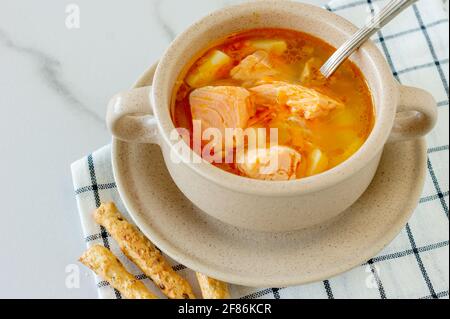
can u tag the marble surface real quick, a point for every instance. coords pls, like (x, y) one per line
(54, 86)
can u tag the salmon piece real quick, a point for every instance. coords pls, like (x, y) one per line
(262, 117)
(308, 102)
(277, 163)
(254, 67)
(221, 107)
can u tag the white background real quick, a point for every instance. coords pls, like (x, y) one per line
(54, 87)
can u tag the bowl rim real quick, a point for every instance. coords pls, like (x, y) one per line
(386, 108)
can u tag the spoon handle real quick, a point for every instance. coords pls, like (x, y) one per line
(389, 12)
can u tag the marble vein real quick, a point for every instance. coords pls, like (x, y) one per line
(168, 30)
(51, 72)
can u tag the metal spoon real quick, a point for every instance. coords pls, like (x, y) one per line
(389, 12)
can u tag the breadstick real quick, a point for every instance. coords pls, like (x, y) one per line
(143, 253)
(212, 288)
(106, 265)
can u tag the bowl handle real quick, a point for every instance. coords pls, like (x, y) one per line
(130, 117)
(417, 114)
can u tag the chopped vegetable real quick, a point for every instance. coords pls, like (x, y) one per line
(272, 46)
(343, 118)
(317, 163)
(209, 69)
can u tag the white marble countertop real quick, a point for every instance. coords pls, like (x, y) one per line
(54, 86)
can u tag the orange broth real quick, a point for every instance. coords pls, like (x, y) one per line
(338, 135)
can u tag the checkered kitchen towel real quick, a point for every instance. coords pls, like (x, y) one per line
(416, 263)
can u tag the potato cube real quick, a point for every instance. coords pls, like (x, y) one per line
(317, 163)
(344, 118)
(209, 69)
(272, 46)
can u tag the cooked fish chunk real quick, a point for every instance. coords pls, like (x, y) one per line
(277, 163)
(254, 67)
(221, 107)
(307, 102)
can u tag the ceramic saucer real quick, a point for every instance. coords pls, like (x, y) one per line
(257, 259)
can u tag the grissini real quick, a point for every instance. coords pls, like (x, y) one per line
(143, 253)
(212, 288)
(103, 262)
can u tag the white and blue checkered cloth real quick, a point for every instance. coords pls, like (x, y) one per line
(416, 263)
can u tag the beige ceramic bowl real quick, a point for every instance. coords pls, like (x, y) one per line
(143, 116)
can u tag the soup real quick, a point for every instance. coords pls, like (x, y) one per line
(269, 79)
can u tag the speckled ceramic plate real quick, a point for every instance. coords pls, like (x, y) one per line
(250, 258)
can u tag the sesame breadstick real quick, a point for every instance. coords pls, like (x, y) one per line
(212, 288)
(143, 253)
(106, 265)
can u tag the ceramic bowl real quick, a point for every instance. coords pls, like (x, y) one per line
(143, 116)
